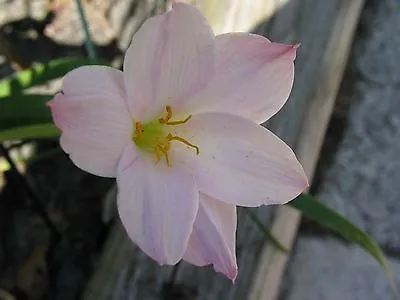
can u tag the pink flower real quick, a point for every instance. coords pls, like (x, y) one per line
(179, 130)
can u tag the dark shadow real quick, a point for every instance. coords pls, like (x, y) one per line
(70, 197)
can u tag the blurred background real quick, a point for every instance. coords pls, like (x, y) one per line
(60, 238)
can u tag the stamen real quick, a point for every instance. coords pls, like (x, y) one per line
(163, 150)
(170, 137)
(158, 155)
(138, 129)
(179, 122)
(151, 136)
(167, 119)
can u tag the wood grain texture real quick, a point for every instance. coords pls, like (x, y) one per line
(272, 262)
(324, 29)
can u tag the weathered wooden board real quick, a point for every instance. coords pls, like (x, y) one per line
(324, 28)
(272, 262)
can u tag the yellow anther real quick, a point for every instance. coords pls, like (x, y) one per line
(138, 129)
(166, 156)
(158, 155)
(167, 119)
(170, 137)
(179, 121)
(159, 150)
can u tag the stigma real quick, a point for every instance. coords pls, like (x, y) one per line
(155, 136)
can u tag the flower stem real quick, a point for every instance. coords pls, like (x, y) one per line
(88, 40)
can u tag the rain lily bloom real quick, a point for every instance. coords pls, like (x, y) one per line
(178, 128)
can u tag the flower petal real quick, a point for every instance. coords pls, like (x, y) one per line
(157, 205)
(241, 162)
(170, 58)
(213, 238)
(94, 80)
(253, 77)
(93, 118)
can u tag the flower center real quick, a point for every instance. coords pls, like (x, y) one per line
(154, 136)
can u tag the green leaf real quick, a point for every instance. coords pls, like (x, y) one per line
(323, 215)
(20, 110)
(267, 233)
(41, 74)
(26, 116)
(91, 51)
(30, 132)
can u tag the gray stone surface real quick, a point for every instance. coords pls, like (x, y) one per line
(325, 269)
(363, 181)
(377, 53)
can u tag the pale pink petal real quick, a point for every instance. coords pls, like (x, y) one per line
(93, 118)
(170, 58)
(157, 205)
(240, 162)
(213, 238)
(95, 80)
(253, 77)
